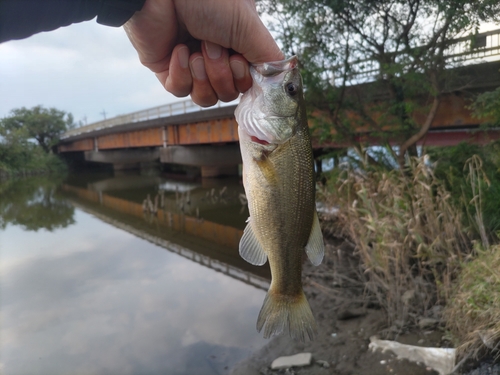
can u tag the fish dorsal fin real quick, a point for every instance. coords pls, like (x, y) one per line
(250, 248)
(315, 249)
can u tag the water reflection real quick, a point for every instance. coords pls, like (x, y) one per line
(103, 295)
(34, 204)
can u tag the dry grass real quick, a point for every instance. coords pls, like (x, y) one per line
(409, 236)
(416, 252)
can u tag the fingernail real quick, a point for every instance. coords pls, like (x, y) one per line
(237, 68)
(183, 56)
(198, 68)
(214, 51)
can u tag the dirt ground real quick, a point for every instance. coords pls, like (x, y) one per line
(346, 321)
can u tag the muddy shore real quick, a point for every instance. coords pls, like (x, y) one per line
(346, 320)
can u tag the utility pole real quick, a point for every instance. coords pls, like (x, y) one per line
(103, 113)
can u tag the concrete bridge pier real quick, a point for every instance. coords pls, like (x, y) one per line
(213, 160)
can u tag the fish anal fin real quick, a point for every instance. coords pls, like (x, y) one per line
(315, 248)
(250, 248)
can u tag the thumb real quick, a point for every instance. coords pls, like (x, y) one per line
(252, 39)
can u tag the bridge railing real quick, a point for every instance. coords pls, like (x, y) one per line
(166, 110)
(465, 50)
(475, 47)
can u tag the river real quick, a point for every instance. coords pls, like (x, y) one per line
(125, 274)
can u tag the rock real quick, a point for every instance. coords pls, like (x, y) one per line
(408, 296)
(297, 360)
(427, 323)
(440, 359)
(322, 363)
(488, 338)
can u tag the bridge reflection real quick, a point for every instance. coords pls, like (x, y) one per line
(208, 243)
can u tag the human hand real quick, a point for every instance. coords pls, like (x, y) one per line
(202, 47)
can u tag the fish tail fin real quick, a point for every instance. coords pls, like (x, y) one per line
(282, 313)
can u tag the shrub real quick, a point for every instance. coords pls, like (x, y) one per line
(473, 312)
(26, 159)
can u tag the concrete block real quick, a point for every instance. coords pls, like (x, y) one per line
(440, 359)
(297, 360)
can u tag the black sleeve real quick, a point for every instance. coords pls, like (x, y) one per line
(22, 18)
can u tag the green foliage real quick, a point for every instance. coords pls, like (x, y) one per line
(26, 159)
(375, 65)
(19, 155)
(43, 125)
(473, 314)
(449, 168)
(487, 107)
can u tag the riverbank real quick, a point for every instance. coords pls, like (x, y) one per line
(346, 319)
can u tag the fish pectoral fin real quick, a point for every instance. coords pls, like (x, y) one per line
(250, 248)
(315, 248)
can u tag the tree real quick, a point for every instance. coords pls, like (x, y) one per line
(378, 65)
(487, 107)
(39, 123)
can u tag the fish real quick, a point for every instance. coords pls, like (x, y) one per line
(279, 182)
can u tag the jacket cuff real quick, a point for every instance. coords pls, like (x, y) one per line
(117, 12)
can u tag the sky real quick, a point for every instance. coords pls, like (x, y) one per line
(85, 69)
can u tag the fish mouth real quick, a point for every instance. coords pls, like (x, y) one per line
(269, 69)
(259, 141)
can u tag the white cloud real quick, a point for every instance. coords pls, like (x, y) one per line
(84, 69)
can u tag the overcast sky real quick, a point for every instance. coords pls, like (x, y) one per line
(83, 69)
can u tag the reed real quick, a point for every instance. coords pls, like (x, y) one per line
(421, 246)
(409, 237)
(472, 313)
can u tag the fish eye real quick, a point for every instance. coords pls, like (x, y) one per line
(291, 89)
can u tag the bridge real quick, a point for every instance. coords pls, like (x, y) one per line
(186, 134)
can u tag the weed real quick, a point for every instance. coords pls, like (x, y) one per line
(408, 234)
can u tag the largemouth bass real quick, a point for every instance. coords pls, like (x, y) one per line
(278, 176)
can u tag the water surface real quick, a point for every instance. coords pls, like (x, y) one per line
(124, 275)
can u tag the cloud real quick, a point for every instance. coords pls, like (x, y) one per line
(84, 69)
